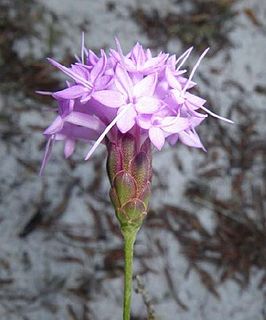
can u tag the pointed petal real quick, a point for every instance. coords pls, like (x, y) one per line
(65, 107)
(147, 105)
(115, 55)
(85, 98)
(183, 81)
(148, 54)
(81, 70)
(194, 100)
(130, 65)
(119, 50)
(157, 137)
(172, 139)
(189, 110)
(137, 54)
(85, 120)
(105, 132)
(195, 121)
(71, 92)
(92, 59)
(146, 86)
(178, 124)
(127, 121)
(191, 139)
(144, 121)
(172, 81)
(74, 132)
(99, 68)
(69, 147)
(123, 81)
(178, 96)
(154, 63)
(102, 82)
(56, 126)
(75, 76)
(109, 98)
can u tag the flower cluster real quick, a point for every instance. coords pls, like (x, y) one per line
(135, 93)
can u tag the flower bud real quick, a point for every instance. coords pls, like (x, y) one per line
(130, 173)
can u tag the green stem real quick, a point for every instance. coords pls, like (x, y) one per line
(129, 240)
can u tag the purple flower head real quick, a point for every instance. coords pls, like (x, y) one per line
(111, 95)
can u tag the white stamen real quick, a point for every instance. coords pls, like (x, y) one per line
(194, 69)
(215, 115)
(120, 52)
(44, 93)
(47, 153)
(82, 47)
(71, 74)
(183, 57)
(77, 58)
(86, 52)
(107, 129)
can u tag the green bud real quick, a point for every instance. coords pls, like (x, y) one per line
(130, 172)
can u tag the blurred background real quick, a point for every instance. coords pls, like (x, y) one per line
(201, 253)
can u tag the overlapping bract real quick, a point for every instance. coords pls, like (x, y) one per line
(136, 93)
(129, 167)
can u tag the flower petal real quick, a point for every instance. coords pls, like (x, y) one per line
(172, 139)
(154, 63)
(99, 67)
(102, 82)
(195, 121)
(144, 121)
(127, 121)
(106, 130)
(146, 86)
(191, 139)
(147, 105)
(69, 147)
(92, 59)
(137, 54)
(85, 120)
(55, 127)
(71, 92)
(196, 101)
(130, 65)
(109, 98)
(183, 81)
(70, 73)
(178, 124)
(74, 132)
(172, 81)
(123, 81)
(157, 137)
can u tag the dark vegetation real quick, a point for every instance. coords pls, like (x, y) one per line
(205, 23)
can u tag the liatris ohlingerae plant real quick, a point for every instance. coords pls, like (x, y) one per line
(129, 103)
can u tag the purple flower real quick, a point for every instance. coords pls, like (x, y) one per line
(140, 61)
(108, 96)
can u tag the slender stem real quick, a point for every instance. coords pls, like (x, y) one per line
(129, 240)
